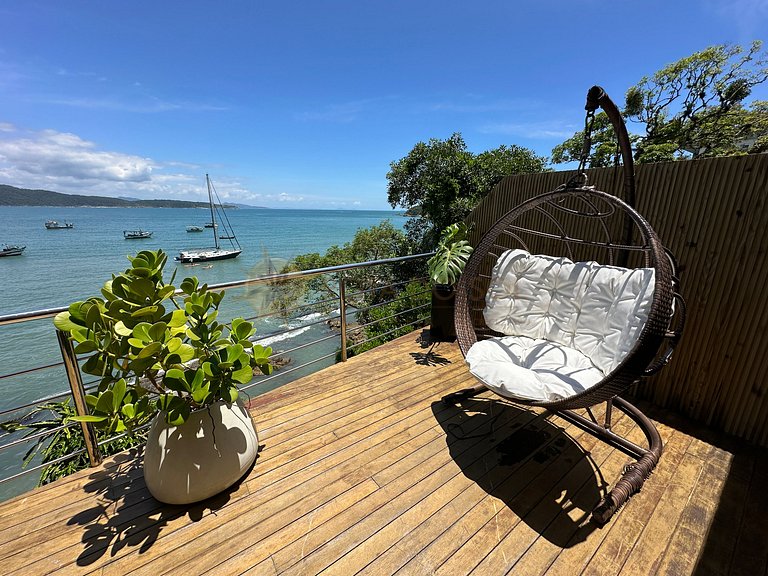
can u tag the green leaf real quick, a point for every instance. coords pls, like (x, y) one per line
(118, 393)
(157, 331)
(176, 410)
(141, 331)
(201, 393)
(150, 350)
(121, 329)
(104, 403)
(175, 373)
(146, 311)
(243, 375)
(88, 418)
(185, 352)
(93, 316)
(63, 321)
(129, 411)
(230, 394)
(86, 347)
(178, 319)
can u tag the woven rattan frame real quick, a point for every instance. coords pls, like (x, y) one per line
(577, 221)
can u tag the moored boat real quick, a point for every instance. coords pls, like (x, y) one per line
(136, 234)
(217, 252)
(11, 250)
(194, 228)
(54, 225)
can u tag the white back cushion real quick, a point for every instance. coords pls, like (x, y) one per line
(598, 310)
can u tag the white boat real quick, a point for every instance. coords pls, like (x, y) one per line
(217, 252)
(194, 228)
(54, 225)
(11, 250)
(136, 234)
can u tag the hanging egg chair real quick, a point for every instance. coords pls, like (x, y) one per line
(568, 300)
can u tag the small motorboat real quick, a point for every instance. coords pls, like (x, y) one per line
(194, 228)
(11, 250)
(136, 234)
(54, 225)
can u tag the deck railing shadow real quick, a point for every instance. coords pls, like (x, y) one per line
(543, 476)
(126, 514)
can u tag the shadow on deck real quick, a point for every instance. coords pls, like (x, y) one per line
(364, 470)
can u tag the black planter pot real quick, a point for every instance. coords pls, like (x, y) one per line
(442, 328)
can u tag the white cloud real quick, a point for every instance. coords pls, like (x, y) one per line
(533, 130)
(141, 105)
(345, 112)
(65, 162)
(69, 156)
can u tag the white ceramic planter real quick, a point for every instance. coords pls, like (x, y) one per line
(205, 455)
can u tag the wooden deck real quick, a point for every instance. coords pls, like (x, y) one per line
(364, 471)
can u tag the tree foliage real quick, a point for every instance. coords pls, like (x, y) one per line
(375, 243)
(693, 108)
(446, 181)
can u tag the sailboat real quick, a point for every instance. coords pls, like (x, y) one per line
(217, 253)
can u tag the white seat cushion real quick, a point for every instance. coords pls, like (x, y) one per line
(531, 368)
(598, 310)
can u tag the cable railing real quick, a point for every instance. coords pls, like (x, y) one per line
(316, 352)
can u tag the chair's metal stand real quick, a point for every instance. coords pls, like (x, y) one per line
(634, 474)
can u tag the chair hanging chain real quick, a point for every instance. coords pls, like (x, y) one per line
(589, 122)
(580, 179)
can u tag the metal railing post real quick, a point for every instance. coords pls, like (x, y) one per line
(78, 394)
(343, 316)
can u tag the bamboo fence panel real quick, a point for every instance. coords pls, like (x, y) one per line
(712, 215)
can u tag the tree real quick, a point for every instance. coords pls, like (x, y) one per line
(375, 243)
(446, 181)
(692, 108)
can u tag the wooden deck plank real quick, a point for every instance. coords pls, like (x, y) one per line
(399, 523)
(647, 551)
(618, 537)
(431, 542)
(571, 524)
(510, 533)
(362, 472)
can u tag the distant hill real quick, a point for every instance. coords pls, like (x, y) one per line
(12, 196)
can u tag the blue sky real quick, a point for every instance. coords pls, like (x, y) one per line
(305, 104)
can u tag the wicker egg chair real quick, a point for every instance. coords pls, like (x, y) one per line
(590, 232)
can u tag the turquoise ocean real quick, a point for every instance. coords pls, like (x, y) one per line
(61, 266)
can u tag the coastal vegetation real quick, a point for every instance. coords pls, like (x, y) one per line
(446, 181)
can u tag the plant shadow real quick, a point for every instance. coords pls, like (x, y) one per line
(520, 458)
(430, 357)
(126, 514)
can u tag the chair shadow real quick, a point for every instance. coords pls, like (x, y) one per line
(540, 473)
(126, 514)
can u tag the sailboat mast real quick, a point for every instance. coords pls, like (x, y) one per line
(213, 218)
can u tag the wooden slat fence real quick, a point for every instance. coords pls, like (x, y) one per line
(712, 215)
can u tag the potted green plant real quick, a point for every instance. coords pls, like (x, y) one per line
(163, 357)
(445, 267)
